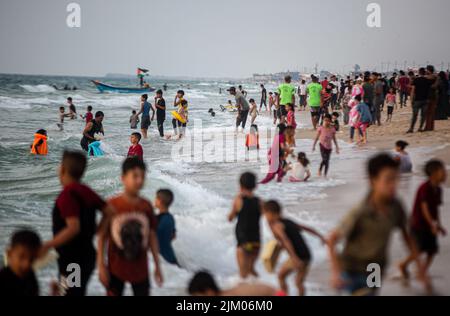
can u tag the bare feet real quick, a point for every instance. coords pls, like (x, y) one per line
(404, 271)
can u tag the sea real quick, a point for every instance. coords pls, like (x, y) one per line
(202, 170)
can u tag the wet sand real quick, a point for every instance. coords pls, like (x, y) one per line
(423, 146)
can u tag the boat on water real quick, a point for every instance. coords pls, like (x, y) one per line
(103, 87)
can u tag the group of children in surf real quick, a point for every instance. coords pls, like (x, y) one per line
(93, 130)
(359, 232)
(179, 120)
(281, 156)
(128, 229)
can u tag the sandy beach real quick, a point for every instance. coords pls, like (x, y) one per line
(423, 146)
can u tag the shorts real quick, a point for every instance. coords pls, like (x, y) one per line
(281, 111)
(116, 287)
(426, 241)
(356, 284)
(390, 110)
(145, 122)
(303, 100)
(250, 247)
(315, 111)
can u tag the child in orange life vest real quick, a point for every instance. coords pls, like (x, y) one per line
(252, 139)
(39, 146)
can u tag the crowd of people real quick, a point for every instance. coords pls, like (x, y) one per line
(360, 101)
(129, 229)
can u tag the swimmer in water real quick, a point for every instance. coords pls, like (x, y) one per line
(62, 115)
(72, 109)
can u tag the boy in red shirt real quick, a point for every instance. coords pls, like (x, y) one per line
(88, 116)
(135, 149)
(425, 220)
(130, 234)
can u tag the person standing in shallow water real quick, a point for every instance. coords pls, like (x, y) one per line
(242, 106)
(145, 111)
(93, 127)
(263, 98)
(160, 105)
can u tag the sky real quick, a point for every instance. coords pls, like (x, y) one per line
(219, 38)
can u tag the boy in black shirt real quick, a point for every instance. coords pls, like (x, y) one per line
(288, 234)
(247, 208)
(18, 278)
(160, 104)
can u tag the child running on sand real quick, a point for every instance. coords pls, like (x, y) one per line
(367, 228)
(74, 222)
(166, 231)
(131, 233)
(247, 208)
(299, 171)
(326, 134)
(18, 278)
(135, 149)
(390, 103)
(288, 234)
(425, 221)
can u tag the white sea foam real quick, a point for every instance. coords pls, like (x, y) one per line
(42, 88)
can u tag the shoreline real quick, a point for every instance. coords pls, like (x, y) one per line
(423, 146)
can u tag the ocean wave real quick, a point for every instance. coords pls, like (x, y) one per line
(42, 88)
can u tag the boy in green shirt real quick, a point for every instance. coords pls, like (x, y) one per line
(314, 92)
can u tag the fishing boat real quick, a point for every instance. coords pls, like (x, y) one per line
(103, 87)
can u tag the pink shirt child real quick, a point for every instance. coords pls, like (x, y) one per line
(326, 136)
(291, 119)
(390, 98)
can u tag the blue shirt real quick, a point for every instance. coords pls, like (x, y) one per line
(364, 111)
(166, 231)
(146, 109)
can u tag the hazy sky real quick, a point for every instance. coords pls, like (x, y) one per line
(218, 38)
